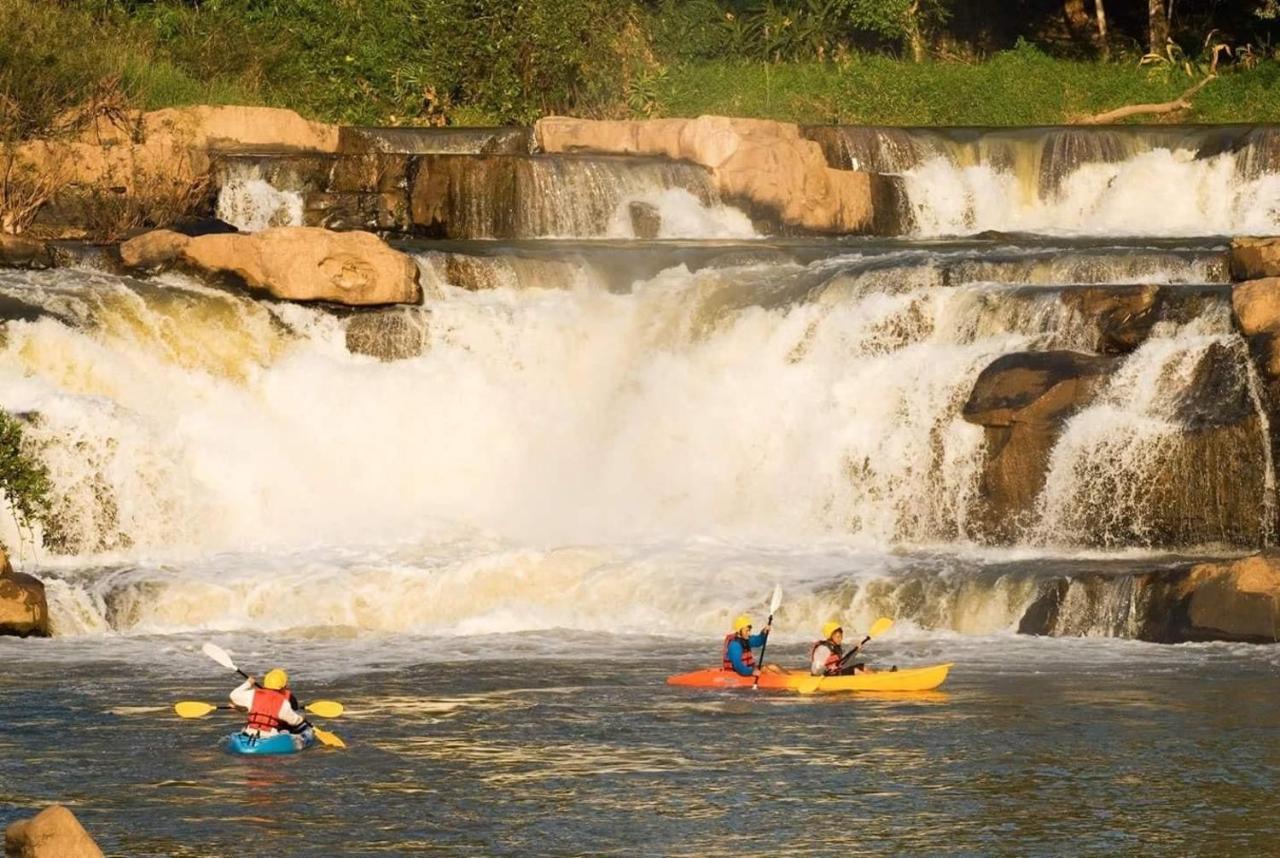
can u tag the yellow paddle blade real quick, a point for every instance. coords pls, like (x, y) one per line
(809, 684)
(325, 708)
(879, 627)
(327, 738)
(193, 709)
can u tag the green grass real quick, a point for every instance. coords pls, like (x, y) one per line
(420, 61)
(1012, 88)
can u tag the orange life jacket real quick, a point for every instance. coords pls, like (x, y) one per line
(831, 666)
(747, 658)
(264, 714)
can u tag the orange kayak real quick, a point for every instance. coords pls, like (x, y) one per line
(911, 679)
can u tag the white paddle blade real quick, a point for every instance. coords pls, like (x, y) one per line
(777, 599)
(219, 655)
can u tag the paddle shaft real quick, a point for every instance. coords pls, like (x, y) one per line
(848, 655)
(763, 647)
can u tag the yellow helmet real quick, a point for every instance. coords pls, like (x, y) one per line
(275, 679)
(829, 629)
(741, 622)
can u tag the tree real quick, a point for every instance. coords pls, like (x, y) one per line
(1103, 45)
(1157, 25)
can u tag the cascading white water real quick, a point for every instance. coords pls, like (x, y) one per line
(695, 422)
(250, 203)
(1158, 192)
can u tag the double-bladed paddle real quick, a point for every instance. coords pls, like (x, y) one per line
(810, 684)
(221, 656)
(197, 709)
(774, 603)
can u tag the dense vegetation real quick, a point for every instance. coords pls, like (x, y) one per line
(503, 61)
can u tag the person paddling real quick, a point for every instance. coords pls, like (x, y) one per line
(738, 645)
(272, 706)
(827, 656)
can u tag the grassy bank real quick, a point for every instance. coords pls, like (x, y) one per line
(1020, 87)
(418, 62)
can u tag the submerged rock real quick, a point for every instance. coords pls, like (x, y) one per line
(1234, 600)
(52, 833)
(1123, 314)
(290, 263)
(24, 610)
(646, 221)
(388, 334)
(1022, 400)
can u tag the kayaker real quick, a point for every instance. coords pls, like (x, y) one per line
(826, 657)
(271, 705)
(738, 645)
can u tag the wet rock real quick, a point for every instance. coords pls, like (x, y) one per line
(767, 163)
(1231, 600)
(646, 222)
(52, 833)
(388, 335)
(1255, 258)
(1256, 307)
(1123, 314)
(310, 264)
(153, 251)
(17, 251)
(1022, 401)
(24, 611)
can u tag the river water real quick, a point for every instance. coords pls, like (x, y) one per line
(571, 744)
(494, 548)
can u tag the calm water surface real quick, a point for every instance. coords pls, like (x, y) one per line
(1036, 746)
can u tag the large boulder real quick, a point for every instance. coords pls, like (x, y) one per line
(1255, 258)
(24, 610)
(1022, 401)
(1231, 600)
(52, 833)
(290, 263)
(766, 163)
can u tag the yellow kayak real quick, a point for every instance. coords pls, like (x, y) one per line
(910, 679)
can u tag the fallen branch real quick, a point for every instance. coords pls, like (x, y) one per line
(1182, 102)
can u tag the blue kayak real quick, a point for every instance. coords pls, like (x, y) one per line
(280, 743)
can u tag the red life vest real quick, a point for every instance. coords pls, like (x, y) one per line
(747, 658)
(264, 714)
(831, 666)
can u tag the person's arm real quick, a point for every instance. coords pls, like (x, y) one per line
(758, 640)
(242, 696)
(735, 658)
(818, 667)
(289, 715)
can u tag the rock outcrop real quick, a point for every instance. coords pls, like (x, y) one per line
(289, 263)
(1255, 258)
(19, 252)
(1234, 600)
(1022, 401)
(1256, 304)
(24, 610)
(52, 833)
(159, 159)
(767, 164)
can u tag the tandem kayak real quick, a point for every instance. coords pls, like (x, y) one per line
(279, 743)
(911, 679)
